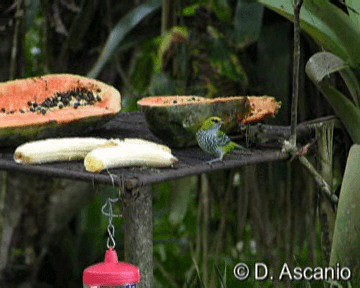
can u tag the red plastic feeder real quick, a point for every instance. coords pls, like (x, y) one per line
(111, 273)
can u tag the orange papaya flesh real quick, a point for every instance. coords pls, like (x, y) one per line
(261, 108)
(54, 105)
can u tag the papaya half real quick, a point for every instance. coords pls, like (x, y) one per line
(176, 119)
(54, 105)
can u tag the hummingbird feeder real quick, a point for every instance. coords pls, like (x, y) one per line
(111, 273)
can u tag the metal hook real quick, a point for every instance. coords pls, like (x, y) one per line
(110, 213)
(108, 204)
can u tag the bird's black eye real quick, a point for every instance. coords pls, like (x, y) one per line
(216, 120)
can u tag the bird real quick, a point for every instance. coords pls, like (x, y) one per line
(214, 141)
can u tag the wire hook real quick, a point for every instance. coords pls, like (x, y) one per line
(110, 214)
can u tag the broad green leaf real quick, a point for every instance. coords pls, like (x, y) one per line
(343, 107)
(322, 64)
(353, 7)
(328, 25)
(182, 191)
(345, 248)
(247, 22)
(121, 29)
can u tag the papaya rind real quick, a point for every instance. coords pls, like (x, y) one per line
(177, 124)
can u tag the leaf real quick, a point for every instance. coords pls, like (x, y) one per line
(190, 10)
(345, 248)
(121, 29)
(220, 277)
(343, 107)
(353, 7)
(201, 283)
(182, 191)
(322, 64)
(175, 36)
(222, 9)
(247, 22)
(328, 25)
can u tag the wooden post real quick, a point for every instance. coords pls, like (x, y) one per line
(138, 232)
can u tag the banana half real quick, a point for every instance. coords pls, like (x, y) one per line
(99, 154)
(130, 152)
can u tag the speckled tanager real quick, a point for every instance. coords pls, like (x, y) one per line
(214, 141)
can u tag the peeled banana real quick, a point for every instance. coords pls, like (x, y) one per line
(130, 152)
(99, 153)
(146, 142)
(61, 149)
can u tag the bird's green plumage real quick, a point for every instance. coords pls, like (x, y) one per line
(210, 122)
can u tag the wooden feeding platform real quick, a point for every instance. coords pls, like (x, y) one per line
(192, 161)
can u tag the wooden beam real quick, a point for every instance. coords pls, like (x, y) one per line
(138, 225)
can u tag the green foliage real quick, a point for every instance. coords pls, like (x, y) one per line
(121, 29)
(176, 35)
(345, 249)
(223, 60)
(222, 9)
(327, 24)
(338, 32)
(323, 64)
(353, 7)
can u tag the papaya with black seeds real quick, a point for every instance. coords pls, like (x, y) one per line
(54, 105)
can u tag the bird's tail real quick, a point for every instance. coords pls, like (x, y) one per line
(240, 149)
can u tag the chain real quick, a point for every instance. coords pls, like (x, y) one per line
(107, 210)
